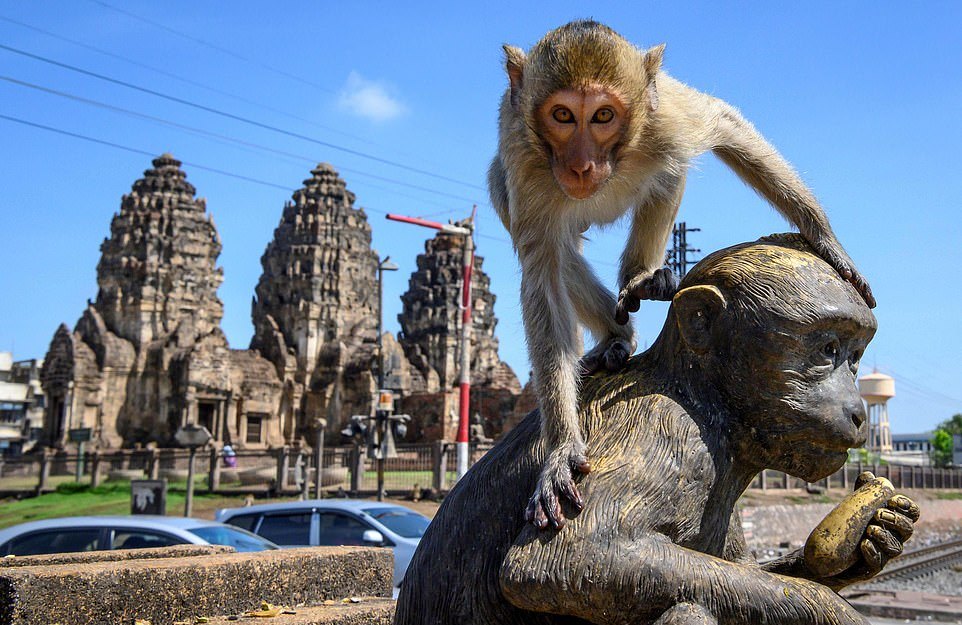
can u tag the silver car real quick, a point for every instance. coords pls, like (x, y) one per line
(335, 522)
(97, 533)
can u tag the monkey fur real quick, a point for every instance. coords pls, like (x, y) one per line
(755, 368)
(591, 128)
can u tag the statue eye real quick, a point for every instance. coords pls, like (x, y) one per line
(603, 116)
(830, 350)
(563, 115)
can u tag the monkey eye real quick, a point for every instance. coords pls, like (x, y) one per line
(831, 350)
(854, 359)
(563, 115)
(603, 116)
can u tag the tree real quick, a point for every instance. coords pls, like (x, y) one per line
(953, 425)
(941, 453)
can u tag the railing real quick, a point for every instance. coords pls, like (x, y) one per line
(347, 469)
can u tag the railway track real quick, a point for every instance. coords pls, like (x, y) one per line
(922, 562)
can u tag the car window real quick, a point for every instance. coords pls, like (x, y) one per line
(287, 529)
(140, 539)
(401, 521)
(54, 541)
(237, 538)
(244, 521)
(340, 529)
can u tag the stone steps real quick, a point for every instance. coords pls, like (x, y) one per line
(164, 590)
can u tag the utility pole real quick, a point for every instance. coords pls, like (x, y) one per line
(464, 229)
(677, 256)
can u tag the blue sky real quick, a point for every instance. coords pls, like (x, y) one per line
(864, 99)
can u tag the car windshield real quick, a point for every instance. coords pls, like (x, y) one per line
(401, 521)
(239, 539)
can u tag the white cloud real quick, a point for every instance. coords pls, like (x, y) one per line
(369, 99)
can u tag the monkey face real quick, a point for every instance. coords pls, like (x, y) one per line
(582, 128)
(802, 410)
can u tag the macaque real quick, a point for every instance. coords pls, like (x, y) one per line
(755, 368)
(591, 128)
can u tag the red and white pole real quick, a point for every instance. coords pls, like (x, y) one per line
(466, 230)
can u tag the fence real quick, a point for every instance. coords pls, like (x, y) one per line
(284, 470)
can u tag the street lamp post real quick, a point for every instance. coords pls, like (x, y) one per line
(384, 265)
(319, 423)
(466, 230)
(191, 436)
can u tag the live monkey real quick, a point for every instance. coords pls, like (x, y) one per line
(590, 128)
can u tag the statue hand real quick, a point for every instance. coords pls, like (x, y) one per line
(855, 541)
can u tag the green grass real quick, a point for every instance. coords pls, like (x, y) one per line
(952, 495)
(72, 498)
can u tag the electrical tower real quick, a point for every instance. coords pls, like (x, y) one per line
(677, 256)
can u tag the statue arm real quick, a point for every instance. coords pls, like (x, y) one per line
(605, 577)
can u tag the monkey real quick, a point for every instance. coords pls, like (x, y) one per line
(591, 128)
(754, 368)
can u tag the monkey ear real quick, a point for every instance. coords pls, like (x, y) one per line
(652, 63)
(514, 62)
(653, 58)
(697, 309)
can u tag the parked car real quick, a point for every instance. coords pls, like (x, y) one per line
(335, 522)
(96, 533)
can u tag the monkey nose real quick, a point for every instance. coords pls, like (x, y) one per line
(858, 416)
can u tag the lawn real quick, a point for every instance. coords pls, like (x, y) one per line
(71, 499)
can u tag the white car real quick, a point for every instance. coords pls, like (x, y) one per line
(335, 522)
(98, 533)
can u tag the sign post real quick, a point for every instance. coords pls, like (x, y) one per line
(80, 436)
(191, 436)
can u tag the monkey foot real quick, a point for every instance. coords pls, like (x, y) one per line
(659, 286)
(556, 482)
(609, 355)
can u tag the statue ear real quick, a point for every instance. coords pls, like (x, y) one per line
(697, 309)
(514, 63)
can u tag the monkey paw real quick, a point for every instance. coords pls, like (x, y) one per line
(659, 286)
(557, 482)
(609, 355)
(833, 254)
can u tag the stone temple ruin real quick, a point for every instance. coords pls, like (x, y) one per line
(148, 354)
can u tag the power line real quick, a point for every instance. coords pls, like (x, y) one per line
(139, 151)
(239, 118)
(188, 81)
(210, 134)
(212, 46)
(149, 154)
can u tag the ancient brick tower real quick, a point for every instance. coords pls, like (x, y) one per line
(157, 269)
(315, 309)
(148, 355)
(430, 334)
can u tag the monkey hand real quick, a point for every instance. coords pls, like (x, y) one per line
(609, 355)
(661, 285)
(831, 252)
(555, 482)
(861, 534)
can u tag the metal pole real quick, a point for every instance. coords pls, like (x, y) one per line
(380, 420)
(80, 461)
(380, 322)
(189, 501)
(466, 306)
(319, 461)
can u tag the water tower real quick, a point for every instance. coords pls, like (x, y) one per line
(876, 389)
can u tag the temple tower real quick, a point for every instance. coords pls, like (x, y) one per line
(315, 309)
(430, 334)
(157, 269)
